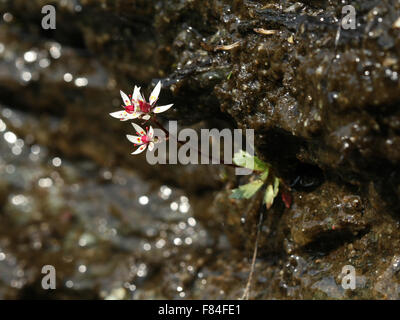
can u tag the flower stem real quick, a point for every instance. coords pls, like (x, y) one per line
(159, 125)
(246, 293)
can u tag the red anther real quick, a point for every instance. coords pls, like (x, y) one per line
(144, 106)
(145, 139)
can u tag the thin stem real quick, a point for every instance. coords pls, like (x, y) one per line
(161, 126)
(246, 293)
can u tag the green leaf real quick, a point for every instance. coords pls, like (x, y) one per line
(276, 187)
(264, 175)
(246, 191)
(244, 159)
(271, 193)
(269, 196)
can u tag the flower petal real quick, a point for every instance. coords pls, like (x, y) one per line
(134, 115)
(140, 149)
(162, 108)
(136, 96)
(134, 139)
(125, 98)
(151, 146)
(150, 133)
(146, 117)
(121, 115)
(155, 93)
(139, 129)
(139, 94)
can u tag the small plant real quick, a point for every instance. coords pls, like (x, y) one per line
(265, 180)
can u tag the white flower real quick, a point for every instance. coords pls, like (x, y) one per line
(129, 112)
(143, 139)
(138, 107)
(146, 108)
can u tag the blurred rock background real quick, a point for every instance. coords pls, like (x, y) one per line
(324, 106)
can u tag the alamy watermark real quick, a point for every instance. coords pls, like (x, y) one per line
(349, 277)
(349, 20)
(188, 147)
(49, 280)
(49, 20)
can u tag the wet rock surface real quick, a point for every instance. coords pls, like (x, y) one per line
(324, 105)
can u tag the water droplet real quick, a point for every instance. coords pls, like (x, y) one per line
(192, 221)
(160, 243)
(184, 207)
(177, 241)
(30, 56)
(35, 149)
(81, 82)
(68, 77)
(82, 268)
(165, 192)
(26, 76)
(8, 17)
(44, 63)
(55, 51)
(16, 150)
(143, 200)
(56, 162)
(10, 137)
(3, 126)
(174, 206)
(45, 182)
